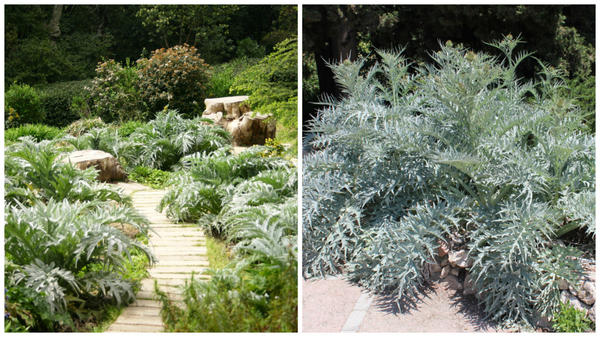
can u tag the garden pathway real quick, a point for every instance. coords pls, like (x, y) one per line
(180, 250)
(334, 305)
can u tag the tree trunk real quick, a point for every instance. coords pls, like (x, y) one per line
(54, 24)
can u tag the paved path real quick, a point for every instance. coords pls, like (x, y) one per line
(334, 305)
(180, 250)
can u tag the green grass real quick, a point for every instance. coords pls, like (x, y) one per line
(218, 253)
(135, 270)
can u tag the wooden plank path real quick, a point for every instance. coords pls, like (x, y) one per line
(180, 250)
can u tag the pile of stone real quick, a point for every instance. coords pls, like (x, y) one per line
(234, 115)
(451, 270)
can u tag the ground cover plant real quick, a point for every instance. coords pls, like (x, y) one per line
(66, 264)
(458, 150)
(248, 201)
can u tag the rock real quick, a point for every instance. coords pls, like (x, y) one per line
(450, 282)
(444, 262)
(587, 293)
(109, 167)
(249, 130)
(468, 286)
(592, 313)
(562, 284)
(231, 106)
(443, 248)
(434, 268)
(567, 297)
(459, 259)
(544, 322)
(445, 271)
(128, 229)
(454, 271)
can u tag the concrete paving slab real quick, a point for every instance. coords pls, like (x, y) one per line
(326, 304)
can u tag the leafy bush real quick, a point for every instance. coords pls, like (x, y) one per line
(65, 262)
(583, 91)
(34, 172)
(223, 76)
(58, 98)
(250, 202)
(248, 48)
(569, 319)
(163, 141)
(209, 179)
(177, 77)
(115, 93)
(76, 270)
(149, 176)
(38, 131)
(128, 128)
(273, 83)
(82, 126)
(22, 104)
(460, 149)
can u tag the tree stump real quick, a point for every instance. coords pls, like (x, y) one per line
(231, 107)
(234, 115)
(107, 165)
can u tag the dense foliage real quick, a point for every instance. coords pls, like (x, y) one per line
(64, 102)
(46, 44)
(38, 131)
(273, 83)
(177, 77)
(250, 201)
(158, 144)
(115, 93)
(458, 150)
(22, 104)
(64, 259)
(562, 35)
(569, 319)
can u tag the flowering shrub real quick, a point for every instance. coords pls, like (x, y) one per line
(114, 92)
(176, 76)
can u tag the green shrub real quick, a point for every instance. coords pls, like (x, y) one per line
(177, 77)
(114, 93)
(583, 90)
(273, 84)
(248, 48)
(251, 203)
(65, 262)
(163, 141)
(79, 270)
(148, 176)
(223, 76)
(82, 126)
(38, 131)
(34, 172)
(209, 179)
(569, 319)
(22, 104)
(455, 152)
(128, 128)
(58, 98)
